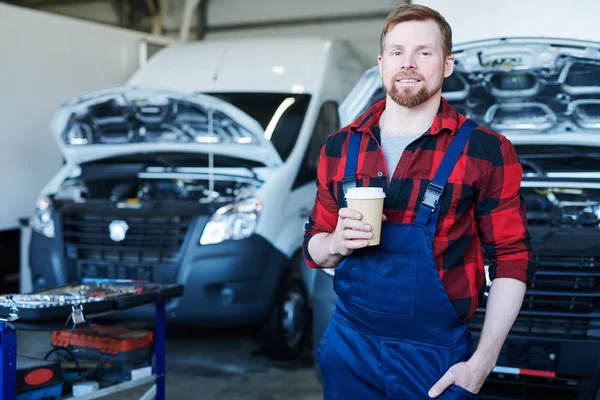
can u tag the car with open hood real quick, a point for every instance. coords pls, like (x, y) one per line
(544, 95)
(200, 170)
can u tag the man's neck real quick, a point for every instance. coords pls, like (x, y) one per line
(403, 121)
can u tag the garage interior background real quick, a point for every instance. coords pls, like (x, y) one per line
(53, 50)
(354, 20)
(71, 47)
(48, 62)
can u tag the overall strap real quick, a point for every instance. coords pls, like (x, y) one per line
(349, 180)
(429, 211)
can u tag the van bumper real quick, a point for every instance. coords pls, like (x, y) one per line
(226, 284)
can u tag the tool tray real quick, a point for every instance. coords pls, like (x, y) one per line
(94, 298)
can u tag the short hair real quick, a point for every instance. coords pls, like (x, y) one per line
(417, 12)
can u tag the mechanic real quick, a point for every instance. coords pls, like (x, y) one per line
(400, 329)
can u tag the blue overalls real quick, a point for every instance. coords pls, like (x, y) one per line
(394, 332)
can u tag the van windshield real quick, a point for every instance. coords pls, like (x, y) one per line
(280, 115)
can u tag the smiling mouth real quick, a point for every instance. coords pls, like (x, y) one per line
(408, 80)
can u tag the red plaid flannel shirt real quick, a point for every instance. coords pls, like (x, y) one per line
(481, 204)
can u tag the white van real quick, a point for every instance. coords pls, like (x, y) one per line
(201, 171)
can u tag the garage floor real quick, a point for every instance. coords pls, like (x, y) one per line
(215, 364)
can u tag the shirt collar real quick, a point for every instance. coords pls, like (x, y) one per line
(447, 118)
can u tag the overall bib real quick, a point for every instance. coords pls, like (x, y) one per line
(394, 332)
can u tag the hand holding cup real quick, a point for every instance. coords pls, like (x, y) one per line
(359, 225)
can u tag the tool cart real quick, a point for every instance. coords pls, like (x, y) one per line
(79, 304)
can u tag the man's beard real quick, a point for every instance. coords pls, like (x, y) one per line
(405, 97)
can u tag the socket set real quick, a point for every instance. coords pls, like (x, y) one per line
(71, 301)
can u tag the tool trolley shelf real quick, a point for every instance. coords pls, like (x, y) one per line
(78, 302)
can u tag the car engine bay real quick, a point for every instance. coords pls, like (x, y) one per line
(131, 181)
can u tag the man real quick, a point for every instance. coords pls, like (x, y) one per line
(399, 330)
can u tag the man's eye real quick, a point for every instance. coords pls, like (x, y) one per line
(397, 53)
(425, 53)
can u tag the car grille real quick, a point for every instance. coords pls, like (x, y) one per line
(563, 300)
(149, 239)
(512, 387)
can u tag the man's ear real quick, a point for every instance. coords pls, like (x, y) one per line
(449, 66)
(379, 62)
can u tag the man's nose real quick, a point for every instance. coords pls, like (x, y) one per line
(408, 62)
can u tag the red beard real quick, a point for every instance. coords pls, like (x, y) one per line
(405, 97)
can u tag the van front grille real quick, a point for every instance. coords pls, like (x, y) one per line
(153, 239)
(563, 300)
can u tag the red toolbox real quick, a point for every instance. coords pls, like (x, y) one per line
(121, 350)
(105, 339)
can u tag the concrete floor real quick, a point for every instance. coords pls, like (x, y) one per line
(215, 364)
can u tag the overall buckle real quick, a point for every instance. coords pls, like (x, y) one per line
(432, 195)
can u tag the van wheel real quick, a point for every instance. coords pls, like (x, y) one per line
(284, 332)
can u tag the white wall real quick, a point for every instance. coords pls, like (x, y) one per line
(45, 60)
(100, 11)
(247, 11)
(482, 19)
(363, 33)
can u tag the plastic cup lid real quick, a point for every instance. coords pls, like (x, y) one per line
(365, 193)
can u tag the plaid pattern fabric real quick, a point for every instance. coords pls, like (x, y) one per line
(481, 205)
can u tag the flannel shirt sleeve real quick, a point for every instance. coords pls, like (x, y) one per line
(501, 218)
(324, 215)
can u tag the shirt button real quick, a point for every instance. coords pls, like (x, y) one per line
(380, 174)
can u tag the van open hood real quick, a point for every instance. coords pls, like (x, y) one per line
(529, 87)
(532, 90)
(136, 119)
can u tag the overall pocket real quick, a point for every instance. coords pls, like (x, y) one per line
(455, 392)
(384, 281)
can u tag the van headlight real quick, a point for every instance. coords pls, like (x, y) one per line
(42, 222)
(232, 222)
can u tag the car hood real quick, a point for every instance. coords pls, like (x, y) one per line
(532, 90)
(142, 119)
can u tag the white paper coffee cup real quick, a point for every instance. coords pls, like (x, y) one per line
(369, 202)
